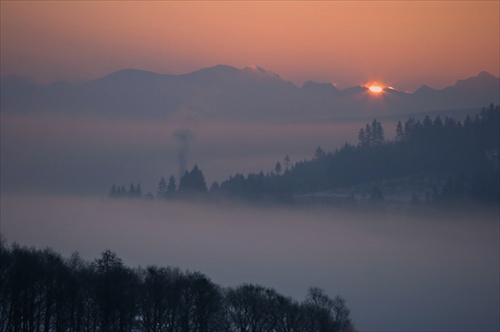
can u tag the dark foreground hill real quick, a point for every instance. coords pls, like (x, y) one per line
(41, 291)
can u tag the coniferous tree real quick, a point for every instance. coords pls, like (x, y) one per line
(368, 135)
(362, 137)
(214, 188)
(131, 191)
(376, 133)
(399, 132)
(409, 126)
(277, 168)
(287, 162)
(427, 123)
(193, 182)
(319, 153)
(162, 189)
(138, 190)
(171, 186)
(113, 192)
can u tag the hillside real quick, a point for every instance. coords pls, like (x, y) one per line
(434, 160)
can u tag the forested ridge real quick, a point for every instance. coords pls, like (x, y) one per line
(42, 291)
(457, 159)
(450, 159)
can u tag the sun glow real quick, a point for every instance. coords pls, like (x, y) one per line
(375, 88)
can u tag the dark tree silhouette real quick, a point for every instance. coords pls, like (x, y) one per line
(249, 308)
(287, 162)
(162, 189)
(171, 187)
(113, 192)
(319, 153)
(363, 141)
(192, 183)
(41, 291)
(325, 314)
(214, 188)
(399, 132)
(277, 168)
(115, 294)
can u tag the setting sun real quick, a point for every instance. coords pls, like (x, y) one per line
(375, 88)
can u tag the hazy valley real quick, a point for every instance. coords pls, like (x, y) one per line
(64, 146)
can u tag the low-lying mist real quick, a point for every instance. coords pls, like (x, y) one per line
(396, 272)
(86, 155)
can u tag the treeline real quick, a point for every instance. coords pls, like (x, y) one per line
(458, 160)
(192, 185)
(121, 192)
(42, 291)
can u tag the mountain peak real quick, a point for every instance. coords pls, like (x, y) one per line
(129, 74)
(424, 89)
(217, 72)
(256, 70)
(483, 80)
(485, 74)
(221, 67)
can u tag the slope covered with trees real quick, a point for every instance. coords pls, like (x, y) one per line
(451, 159)
(459, 160)
(42, 291)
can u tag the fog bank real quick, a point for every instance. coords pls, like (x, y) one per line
(86, 155)
(396, 272)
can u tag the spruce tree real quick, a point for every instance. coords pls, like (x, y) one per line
(162, 189)
(171, 187)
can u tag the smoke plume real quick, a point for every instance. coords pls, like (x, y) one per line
(185, 139)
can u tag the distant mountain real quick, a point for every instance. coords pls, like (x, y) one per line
(467, 93)
(227, 93)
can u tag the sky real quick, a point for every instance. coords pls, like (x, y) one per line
(58, 167)
(403, 44)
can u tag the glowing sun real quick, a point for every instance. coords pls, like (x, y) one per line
(375, 88)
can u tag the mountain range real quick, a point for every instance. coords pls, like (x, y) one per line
(227, 93)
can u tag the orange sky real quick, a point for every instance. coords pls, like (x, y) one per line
(402, 44)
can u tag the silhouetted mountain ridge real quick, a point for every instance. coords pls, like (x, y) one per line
(224, 92)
